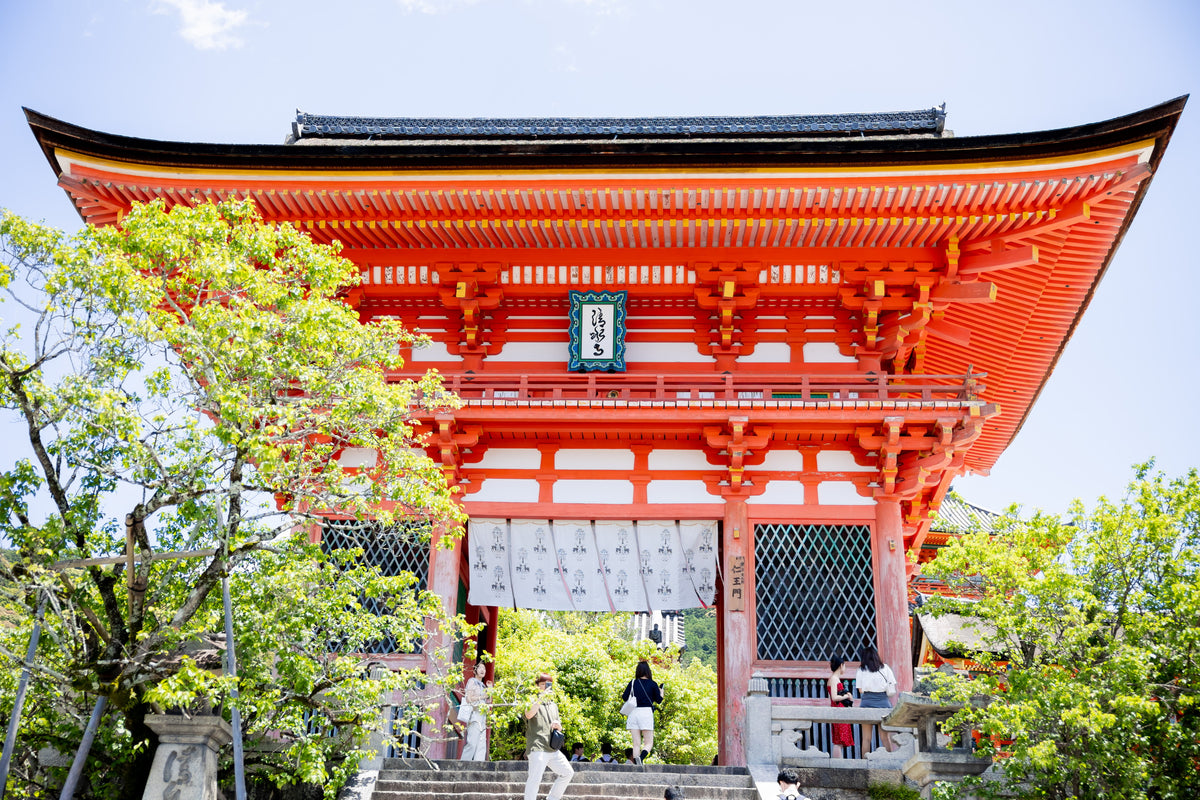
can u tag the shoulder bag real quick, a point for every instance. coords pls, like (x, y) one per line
(630, 705)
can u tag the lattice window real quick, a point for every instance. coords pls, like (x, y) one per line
(404, 547)
(815, 594)
(406, 723)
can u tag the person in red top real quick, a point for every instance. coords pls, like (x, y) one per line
(839, 697)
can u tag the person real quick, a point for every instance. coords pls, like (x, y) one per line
(789, 789)
(874, 678)
(640, 723)
(540, 719)
(473, 713)
(839, 697)
(606, 756)
(628, 756)
(673, 793)
(577, 752)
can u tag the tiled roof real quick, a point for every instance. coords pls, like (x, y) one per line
(958, 516)
(927, 121)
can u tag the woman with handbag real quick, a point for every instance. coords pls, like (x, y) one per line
(876, 684)
(839, 697)
(543, 740)
(643, 693)
(473, 714)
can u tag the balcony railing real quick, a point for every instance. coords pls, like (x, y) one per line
(625, 387)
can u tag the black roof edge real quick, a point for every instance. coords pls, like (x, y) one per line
(1155, 122)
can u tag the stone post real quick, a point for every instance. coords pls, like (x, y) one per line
(758, 724)
(185, 763)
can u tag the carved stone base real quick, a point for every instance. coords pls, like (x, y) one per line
(185, 763)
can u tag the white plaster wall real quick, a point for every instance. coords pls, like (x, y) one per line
(594, 459)
(787, 460)
(839, 461)
(434, 351)
(532, 351)
(593, 492)
(357, 457)
(678, 459)
(783, 493)
(825, 353)
(679, 492)
(506, 490)
(671, 352)
(509, 458)
(841, 493)
(768, 353)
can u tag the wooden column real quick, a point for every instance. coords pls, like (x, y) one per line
(737, 637)
(891, 591)
(443, 581)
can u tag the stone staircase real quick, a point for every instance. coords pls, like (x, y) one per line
(414, 779)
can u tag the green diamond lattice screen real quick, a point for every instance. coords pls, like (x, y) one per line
(815, 592)
(398, 549)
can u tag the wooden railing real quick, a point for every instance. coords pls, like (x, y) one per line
(707, 386)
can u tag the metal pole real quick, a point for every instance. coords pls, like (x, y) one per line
(10, 739)
(85, 746)
(235, 716)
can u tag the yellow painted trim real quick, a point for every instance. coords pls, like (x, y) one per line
(129, 168)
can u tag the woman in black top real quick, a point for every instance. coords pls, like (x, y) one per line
(641, 722)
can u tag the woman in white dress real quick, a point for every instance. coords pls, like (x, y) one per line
(473, 713)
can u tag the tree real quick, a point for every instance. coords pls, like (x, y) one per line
(592, 657)
(1092, 643)
(192, 378)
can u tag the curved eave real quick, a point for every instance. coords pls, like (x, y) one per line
(727, 152)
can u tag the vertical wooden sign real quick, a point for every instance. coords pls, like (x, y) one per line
(737, 584)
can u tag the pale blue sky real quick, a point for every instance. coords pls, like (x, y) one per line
(193, 70)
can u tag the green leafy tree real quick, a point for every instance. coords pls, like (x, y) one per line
(192, 377)
(592, 657)
(1092, 643)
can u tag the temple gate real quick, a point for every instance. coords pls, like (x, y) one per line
(790, 333)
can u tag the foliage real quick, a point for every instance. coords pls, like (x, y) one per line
(1098, 619)
(593, 658)
(892, 791)
(701, 627)
(191, 378)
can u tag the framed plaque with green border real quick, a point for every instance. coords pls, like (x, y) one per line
(597, 330)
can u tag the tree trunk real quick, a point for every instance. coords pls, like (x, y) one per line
(137, 773)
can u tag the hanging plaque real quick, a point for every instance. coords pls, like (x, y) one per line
(597, 329)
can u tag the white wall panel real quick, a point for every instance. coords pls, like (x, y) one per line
(839, 461)
(509, 458)
(841, 493)
(603, 492)
(784, 493)
(671, 352)
(593, 459)
(768, 353)
(357, 457)
(788, 460)
(506, 490)
(679, 492)
(555, 352)
(434, 351)
(825, 353)
(679, 459)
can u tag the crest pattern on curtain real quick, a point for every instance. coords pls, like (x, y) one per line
(564, 565)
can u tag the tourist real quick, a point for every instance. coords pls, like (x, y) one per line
(640, 722)
(843, 734)
(789, 788)
(876, 682)
(473, 714)
(606, 756)
(628, 756)
(673, 793)
(577, 752)
(541, 719)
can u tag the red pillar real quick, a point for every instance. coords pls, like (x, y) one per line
(443, 581)
(737, 636)
(891, 591)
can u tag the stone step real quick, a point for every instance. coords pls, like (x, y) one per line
(413, 779)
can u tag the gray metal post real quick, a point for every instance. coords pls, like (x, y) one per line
(85, 746)
(235, 716)
(14, 722)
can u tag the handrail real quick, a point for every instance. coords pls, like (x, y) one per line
(708, 386)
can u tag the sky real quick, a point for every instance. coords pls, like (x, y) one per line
(1126, 387)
